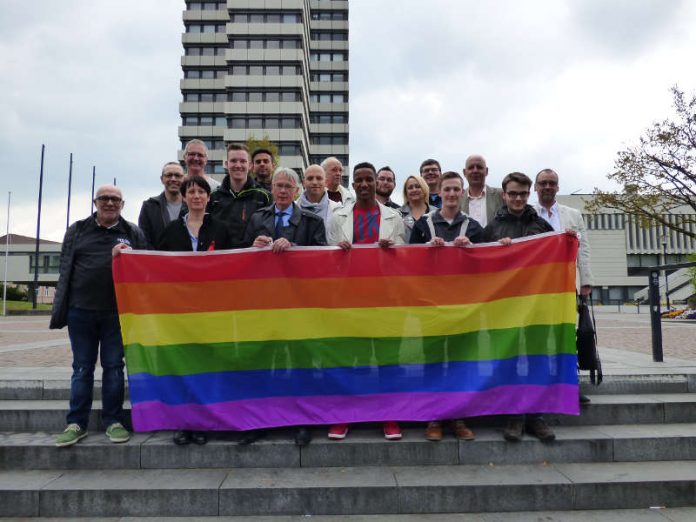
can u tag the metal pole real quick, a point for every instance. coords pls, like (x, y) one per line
(67, 219)
(91, 210)
(7, 256)
(655, 319)
(38, 233)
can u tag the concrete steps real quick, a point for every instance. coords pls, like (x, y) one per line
(363, 447)
(655, 514)
(633, 447)
(367, 490)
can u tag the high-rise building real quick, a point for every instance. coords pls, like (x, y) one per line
(275, 68)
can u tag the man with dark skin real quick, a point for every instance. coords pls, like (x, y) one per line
(365, 222)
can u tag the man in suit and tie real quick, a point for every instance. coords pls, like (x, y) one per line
(561, 217)
(480, 201)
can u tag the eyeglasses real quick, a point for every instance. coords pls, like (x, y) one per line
(108, 199)
(513, 195)
(170, 175)
(427, 170)
(284, 186)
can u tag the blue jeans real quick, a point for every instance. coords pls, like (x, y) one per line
(89, 330)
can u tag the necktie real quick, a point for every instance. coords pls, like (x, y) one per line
(279, 225)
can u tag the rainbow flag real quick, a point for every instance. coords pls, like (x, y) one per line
(251, 339)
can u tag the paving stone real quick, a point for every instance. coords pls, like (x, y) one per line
(309, 491)
(632, 384)
(132, 493)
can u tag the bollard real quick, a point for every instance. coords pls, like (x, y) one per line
(655, 319)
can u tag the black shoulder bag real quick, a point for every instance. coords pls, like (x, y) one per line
(586, 342)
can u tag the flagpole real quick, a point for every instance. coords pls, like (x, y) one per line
(7, 256)
(38, 233)
(67, 219)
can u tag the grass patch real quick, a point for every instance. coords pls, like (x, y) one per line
(24, 305)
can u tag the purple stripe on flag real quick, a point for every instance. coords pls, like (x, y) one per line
(323, 410)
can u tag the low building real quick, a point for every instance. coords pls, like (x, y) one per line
(21, 258)
(623, 249)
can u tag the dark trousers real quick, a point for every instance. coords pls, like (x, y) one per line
(95, 332)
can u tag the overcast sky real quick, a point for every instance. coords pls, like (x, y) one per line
(535, 84)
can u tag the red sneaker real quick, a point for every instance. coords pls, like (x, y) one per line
(338, 431)
(392, 431)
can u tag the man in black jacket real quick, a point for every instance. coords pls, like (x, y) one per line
(158, 211)
(513, 220)
(239, 196)
(85, 301)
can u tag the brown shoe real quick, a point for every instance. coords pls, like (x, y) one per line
(433, 431)
(462, 432)
(540, 430)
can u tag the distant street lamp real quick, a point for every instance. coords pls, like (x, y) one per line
(664, 257)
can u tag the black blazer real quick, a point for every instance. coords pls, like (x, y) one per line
(175, 237)
(305, 228)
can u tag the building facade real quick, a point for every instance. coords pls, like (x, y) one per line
(266, 68)
(19, 255)
(623, 249)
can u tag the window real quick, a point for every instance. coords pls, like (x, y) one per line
(329, 15)
(255, 97)
(329, 118)
(268, 18)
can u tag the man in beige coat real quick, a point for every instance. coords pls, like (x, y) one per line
(480, 201)
(561, 217)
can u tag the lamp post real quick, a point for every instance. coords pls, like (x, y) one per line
(664, 257)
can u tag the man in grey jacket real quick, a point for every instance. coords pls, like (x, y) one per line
(85, 301)
(157, 211)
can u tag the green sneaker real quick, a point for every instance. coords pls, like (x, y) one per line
(72, 434)
(117, 433)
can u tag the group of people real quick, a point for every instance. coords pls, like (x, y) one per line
(259, 205)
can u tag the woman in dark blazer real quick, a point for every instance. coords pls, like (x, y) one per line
(195, 231)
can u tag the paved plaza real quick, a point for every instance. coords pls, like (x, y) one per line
(27, 342)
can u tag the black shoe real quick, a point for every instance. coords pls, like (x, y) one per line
(514, 430)
(182, 437)
(303, 436)
(199, 437)
(540, 430)
(249, 437)
(584, 399)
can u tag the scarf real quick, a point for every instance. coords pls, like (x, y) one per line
(321, 209)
